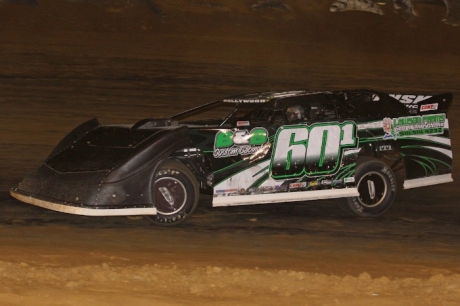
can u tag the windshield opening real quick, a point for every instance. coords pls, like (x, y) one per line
(217, 111)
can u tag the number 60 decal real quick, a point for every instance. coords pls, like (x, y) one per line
(311, 150)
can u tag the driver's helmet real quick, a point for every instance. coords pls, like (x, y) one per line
(295, 113)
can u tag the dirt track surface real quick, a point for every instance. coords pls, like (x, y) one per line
(62, 63)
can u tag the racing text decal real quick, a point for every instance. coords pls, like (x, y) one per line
(311, 150)
(410, 98)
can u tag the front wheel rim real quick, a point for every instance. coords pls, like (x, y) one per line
(170, 195)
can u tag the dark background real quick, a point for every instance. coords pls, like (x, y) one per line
(64, 62)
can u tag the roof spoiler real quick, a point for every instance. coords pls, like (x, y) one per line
(425, 104)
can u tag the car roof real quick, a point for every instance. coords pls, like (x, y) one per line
(262, 97)
(266, 96)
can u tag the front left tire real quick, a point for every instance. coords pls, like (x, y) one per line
(175, 192)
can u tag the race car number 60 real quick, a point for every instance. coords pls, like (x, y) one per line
(311, 150)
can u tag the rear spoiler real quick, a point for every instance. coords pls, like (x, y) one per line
(425, 104)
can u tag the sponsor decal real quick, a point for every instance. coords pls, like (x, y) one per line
(281, 188)
(262, 189)
(326, 182)
(415, 125)
(303, 150)
(337, 183)
(349, 180)
(313, 184)
(225, 191)
(245, 100)
(297, 185)
(410, 98)
(428, 107)
(242, 123)
(241, 142)
(267, 189)
(385, 148)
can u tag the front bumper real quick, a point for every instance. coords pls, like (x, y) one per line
(72, 208)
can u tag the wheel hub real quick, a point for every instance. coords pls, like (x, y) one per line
(167, 195)
(170, 195)
(372, 189)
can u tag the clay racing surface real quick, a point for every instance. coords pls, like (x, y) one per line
(64, 62)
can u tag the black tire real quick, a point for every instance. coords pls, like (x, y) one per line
(175, 192)
(376, 184)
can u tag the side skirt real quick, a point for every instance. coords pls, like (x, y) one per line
(75, 210)
(284, 197)
(427, 181)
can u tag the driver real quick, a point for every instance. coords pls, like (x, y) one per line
(295, 113)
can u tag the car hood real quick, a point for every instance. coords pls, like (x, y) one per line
(94, 162)
(104, 148)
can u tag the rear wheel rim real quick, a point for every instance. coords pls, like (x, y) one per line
(170, 195)
(372, 189)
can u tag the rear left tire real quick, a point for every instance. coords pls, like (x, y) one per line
(376, 185)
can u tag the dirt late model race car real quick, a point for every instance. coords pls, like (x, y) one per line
(280, 146)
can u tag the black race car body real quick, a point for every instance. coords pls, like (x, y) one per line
(277, 146)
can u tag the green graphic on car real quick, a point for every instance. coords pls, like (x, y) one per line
(313, 150)
(227, 138)
(298, 150)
